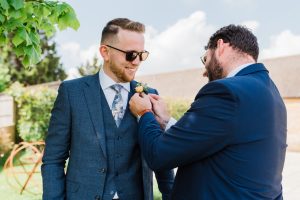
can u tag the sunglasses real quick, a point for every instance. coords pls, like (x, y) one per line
(203, 59)
(132, 55)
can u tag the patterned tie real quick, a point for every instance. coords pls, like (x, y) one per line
(117, 105)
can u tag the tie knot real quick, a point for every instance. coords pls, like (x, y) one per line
(117, 87)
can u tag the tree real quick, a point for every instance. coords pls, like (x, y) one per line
(21, 21)
(90, 67)
(49, 69)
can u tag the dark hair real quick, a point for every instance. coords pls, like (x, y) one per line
(239, 37)
(112, 27)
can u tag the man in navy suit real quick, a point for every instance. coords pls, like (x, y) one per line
(231, 143)
(92, 126)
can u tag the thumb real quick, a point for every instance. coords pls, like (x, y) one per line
(152, 99)
(154, 96)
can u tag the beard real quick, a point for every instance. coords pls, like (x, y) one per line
(120, 72)
(213, 69)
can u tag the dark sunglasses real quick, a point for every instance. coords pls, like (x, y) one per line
(131, 55)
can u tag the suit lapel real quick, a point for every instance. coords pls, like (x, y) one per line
(93, 99)
(132, 89)
(130, 94)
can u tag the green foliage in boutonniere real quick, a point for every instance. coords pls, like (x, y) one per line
(141, 87)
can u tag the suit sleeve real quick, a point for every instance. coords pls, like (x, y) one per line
(205, 128)
(164, 178)
(57, 148)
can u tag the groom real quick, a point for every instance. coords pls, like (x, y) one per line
(92, 126)
(231, 143)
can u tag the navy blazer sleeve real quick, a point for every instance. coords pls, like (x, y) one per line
(164, 178)
(57, 148)
(205, 128)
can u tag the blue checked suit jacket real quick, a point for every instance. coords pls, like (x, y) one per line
(78, 108)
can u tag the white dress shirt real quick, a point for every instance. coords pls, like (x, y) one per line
(237, 70)
(106, 82)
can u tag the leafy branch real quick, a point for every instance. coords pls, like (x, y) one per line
(21, 21)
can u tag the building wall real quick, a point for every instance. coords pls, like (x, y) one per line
(7, 110)
(293, 123)
(7, 122)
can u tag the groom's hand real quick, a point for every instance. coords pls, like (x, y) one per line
(160, 110)
(138, 103)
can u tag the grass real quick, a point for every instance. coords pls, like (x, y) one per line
(156, 192)
(9, 193)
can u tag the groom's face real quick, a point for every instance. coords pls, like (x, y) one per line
(213, 69)
(120, 69)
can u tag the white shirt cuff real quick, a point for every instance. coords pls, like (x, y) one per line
(171, 122)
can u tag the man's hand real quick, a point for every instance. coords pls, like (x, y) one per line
(139, 102)
(160, 110)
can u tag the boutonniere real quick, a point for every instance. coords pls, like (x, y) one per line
(141, 87)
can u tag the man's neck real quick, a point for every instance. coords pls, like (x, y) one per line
(236, 63)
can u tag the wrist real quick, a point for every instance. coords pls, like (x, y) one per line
(140, 114)
(165, 118)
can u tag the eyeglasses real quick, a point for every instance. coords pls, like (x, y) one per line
(203, 59)
(131, 55)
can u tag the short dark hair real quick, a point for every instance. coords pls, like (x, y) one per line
(239, 37)
(112, 28)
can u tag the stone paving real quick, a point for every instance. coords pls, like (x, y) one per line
(291, 176)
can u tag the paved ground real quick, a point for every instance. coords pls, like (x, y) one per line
(291, 176)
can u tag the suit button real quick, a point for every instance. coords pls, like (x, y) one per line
(103, 170)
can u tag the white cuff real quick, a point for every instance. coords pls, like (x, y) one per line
(171, 122)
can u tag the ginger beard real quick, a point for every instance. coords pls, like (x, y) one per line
(124, 73)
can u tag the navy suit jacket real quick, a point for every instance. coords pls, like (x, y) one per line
(76, 131)
(230, 144)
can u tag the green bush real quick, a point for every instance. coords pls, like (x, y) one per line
(34, 110)
(177, 107)
(4, 77)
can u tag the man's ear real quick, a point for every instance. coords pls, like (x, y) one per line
(220, 47)
(104, 52)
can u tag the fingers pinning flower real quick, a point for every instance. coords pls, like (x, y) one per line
(141, 87)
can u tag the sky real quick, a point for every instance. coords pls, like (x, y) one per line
(178, 30)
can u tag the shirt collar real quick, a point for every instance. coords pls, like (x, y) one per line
(236, 70)
(106, 81)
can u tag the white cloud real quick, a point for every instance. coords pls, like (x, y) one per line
(89, 53)
(238, 2)
(283, 44)
(72, 73)
(72, 56)
(252, 25)
(179, 47)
